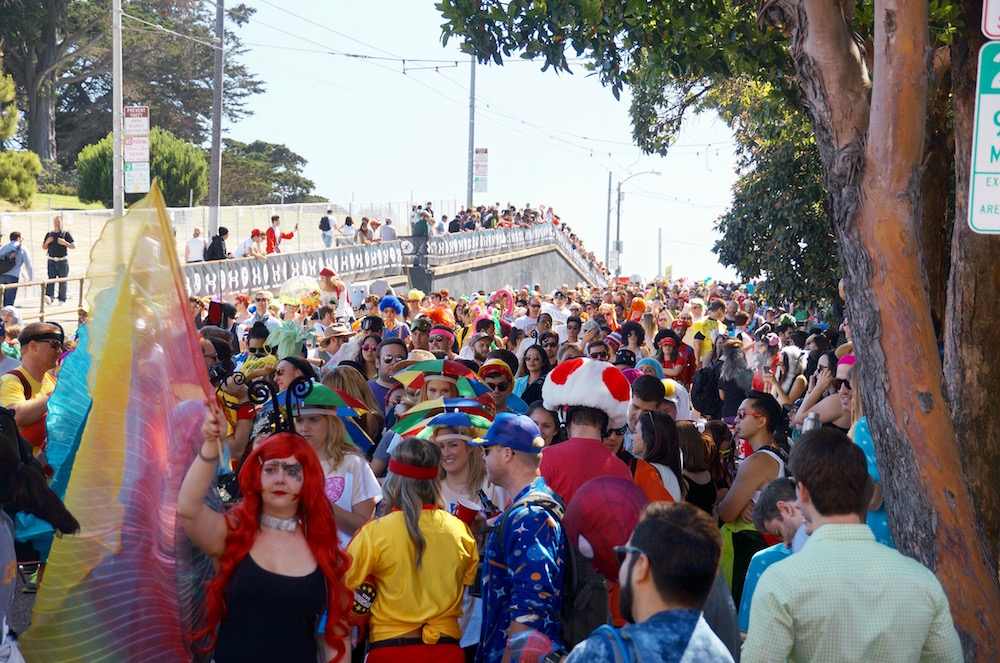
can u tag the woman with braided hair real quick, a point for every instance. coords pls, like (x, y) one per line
(420, 558)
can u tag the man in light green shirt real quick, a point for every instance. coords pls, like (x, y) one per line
(845, 597)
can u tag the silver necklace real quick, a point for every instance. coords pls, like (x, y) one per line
(280, 524)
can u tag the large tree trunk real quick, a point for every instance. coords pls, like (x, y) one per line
(42, 122)
(972, 353)
(872, 170)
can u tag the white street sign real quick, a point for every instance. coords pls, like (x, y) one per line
(991, 19)
(136, 148)
(984, 184)
(136, 177)
(136, 121)
(479, 184)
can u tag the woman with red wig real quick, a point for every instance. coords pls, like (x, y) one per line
(276, 554)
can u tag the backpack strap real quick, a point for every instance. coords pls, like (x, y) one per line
(618, 648)
(24, 383)
(535, 497)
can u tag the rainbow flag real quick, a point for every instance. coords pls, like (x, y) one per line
(129, 586)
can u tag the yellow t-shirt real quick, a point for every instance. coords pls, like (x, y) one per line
(705, 327)
(12, 390)
(406, 597)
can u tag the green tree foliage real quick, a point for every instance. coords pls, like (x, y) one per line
(179, 166)
(17, 169)
(778, 226)
(261, 173)
(59, 52)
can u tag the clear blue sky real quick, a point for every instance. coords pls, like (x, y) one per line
(371, 132)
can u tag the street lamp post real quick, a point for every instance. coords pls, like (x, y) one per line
(618, 220)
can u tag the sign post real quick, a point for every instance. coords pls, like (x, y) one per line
(480, 173)
(135, 126)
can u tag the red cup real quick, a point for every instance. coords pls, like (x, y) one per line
(466, 511)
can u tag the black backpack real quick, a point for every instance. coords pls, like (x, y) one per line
(585, 592)
(8, 260)
(324, 223)
(705, 390)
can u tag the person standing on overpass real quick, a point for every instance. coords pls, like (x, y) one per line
(57, 242)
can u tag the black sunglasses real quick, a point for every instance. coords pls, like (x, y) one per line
(599, 355)
(498, 386)
(621, 552)
(257, 351)
(837, 382)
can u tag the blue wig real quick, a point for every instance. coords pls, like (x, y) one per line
(391, 301)
(655, 364)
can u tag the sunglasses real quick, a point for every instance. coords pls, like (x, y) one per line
(534, 305)
(438, 339)
(390, 359)
(369, 348)
(621, 552)
(257, 351)
(837, 383)
(498, 386)
(262, 299)
(599, 355)
(550, 344)
(740, 414)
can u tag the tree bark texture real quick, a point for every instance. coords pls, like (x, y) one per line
(872, 153)
(971, 350)
(936, 186)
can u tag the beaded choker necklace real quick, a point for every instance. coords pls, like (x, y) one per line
(280, 524)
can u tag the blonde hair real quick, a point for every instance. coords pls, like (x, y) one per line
(410, 495)
(452, 388)
(337, 445)
(477, 466)
(648, 322)
(12, 332)
(351, 382)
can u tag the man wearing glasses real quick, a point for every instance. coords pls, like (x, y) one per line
(440, 341)
(528, 323)
(756, 421)
(666, 574)
(26, 389)
(391, 351)
(496, 375)
(262, 300)
(597, 350)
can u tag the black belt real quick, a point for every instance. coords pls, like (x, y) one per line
(406, 642)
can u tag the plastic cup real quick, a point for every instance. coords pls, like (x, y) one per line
(466, 511)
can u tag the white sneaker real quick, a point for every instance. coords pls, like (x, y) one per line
(48, 300)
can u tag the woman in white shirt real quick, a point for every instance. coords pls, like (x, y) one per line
(194, 250)
(350, 484)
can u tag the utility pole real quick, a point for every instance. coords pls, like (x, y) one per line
(215, 166)
(607, 235)
(659, 252)
(618, 232)
(472, 133)
(618, 224)
(117, 158)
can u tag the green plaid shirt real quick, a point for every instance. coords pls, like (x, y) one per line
(846, 597)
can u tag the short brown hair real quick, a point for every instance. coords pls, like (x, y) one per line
(834, 471)
(683, 546)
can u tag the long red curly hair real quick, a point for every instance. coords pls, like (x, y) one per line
(319, 526)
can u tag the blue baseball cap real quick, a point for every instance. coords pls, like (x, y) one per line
(516, 431)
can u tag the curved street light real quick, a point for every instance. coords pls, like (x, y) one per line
(618, 221)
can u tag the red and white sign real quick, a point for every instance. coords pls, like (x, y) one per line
(136, 121)
(136, 148)
(991, 19)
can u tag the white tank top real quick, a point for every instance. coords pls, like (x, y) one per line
(781, 469)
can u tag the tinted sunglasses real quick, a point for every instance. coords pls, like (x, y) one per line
(599, 355)
(498, 386)
(837, 382)
(257, 351)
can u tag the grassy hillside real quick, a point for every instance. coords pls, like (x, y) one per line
(46, 201)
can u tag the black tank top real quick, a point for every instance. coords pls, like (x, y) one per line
(270, 617)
